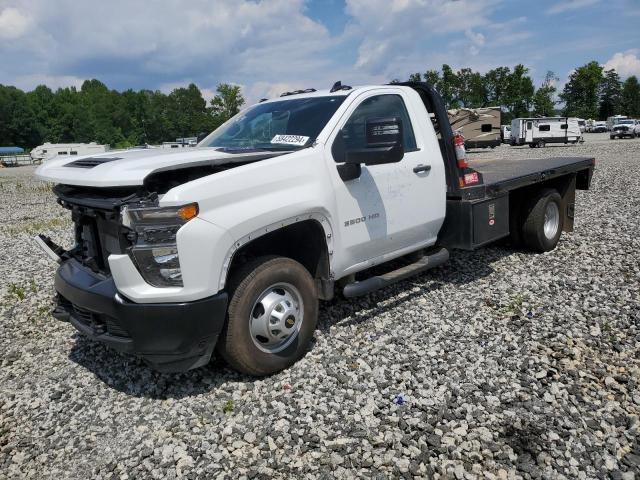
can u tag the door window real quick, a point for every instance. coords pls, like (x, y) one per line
(354, 133)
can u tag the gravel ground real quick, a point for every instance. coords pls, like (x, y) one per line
(501, 364)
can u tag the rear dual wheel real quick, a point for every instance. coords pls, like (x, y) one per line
(543, 221)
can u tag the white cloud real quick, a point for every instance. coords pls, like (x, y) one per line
(477, 41)
(567, 5)
(392, 32)
(13, 23)
(164, 42)
(267, 46)
(626, 64)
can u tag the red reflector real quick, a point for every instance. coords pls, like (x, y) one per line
(470, 178)
(458, 140)
(462, 163)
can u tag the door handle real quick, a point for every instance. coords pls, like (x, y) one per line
(421, 168)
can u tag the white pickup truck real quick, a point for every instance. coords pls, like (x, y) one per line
(229, 246)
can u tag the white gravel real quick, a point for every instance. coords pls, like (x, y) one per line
(501, 364)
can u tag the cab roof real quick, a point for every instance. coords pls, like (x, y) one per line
(323, 93)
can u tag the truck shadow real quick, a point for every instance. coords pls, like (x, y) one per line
(129, 375)
(133, 377)
(462, 268)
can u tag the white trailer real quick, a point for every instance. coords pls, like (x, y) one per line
(537, 132)
(50, 150)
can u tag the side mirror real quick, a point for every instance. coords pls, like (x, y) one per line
(383, 143)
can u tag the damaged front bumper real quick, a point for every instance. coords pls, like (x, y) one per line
(171, 337)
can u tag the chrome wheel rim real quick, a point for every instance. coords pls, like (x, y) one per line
(551, 220)
(276, 317)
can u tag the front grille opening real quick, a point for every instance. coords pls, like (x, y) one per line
(99, 323)
(114, 329)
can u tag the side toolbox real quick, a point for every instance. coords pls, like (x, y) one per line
(470, 224)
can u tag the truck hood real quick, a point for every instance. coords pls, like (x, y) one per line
(122, 168)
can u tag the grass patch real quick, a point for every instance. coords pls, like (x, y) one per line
(41, 188)
(227, 407)
(513, 307)
(17, 291)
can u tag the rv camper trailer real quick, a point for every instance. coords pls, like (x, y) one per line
(537, 132)
(480, 127)
(49, 150)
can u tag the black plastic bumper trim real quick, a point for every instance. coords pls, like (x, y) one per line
(169, 336)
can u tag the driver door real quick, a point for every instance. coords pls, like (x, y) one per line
(388, 207)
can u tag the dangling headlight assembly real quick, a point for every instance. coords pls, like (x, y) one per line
(155, 250)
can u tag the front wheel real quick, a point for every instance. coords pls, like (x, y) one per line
(272, 315)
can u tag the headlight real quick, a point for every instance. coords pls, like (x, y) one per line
(155, 250)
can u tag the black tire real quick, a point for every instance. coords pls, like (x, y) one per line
(611, 137)
(236, 344)
(532, 145)
(541, 144)
(533, 226)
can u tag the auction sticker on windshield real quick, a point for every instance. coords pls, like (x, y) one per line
(299, 140)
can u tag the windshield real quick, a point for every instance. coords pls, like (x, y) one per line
(626, 122)
(282, 125)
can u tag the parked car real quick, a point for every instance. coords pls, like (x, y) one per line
(614, 120)
(623, 129)
(231, 244)
(636, 129)
(599, 127)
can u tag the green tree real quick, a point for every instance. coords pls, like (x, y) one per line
(17, 120)
(519, 92)
(41, 102)
(610, 94)
(631, 97)
(432, 77)
(227, 102)
(543, 100)
(188, 111)
(448, 87)
(495, 84)
(580, 93)
(471, 91)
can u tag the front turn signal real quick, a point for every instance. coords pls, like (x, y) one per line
(188, 211)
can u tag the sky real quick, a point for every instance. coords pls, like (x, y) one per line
(271, 46)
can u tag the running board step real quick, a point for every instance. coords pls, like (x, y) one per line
(431, 260)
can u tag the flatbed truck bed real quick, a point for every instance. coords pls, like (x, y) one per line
(509, 173)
